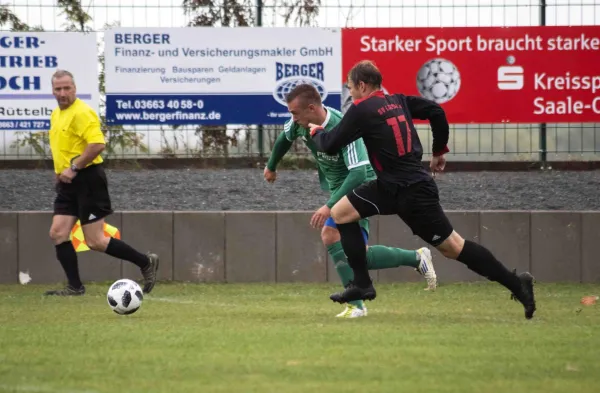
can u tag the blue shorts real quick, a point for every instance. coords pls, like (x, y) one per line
(331, 223)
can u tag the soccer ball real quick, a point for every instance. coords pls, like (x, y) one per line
(124, 296)
(438, 80)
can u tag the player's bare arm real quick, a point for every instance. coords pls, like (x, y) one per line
(320, 216)
(356, 177)
(269, 175)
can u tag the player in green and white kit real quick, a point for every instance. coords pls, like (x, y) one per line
(339, 174)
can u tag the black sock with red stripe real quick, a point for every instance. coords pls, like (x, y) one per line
(356, 252)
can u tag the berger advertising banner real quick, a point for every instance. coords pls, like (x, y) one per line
(488, 74)
(27, 62)
(216, 75)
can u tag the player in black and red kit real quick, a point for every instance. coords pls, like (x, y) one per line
(403, 186)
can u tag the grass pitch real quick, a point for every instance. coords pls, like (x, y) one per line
(284, 338)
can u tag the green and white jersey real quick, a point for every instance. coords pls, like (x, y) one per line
(334, 168)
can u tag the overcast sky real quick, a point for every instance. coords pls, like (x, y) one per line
(334, 13)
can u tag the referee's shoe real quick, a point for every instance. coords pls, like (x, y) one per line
(149, 272)
(526, 295)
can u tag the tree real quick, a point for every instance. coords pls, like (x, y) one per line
(8, 18)
(77, 18)
(234, 13)
(302, 12)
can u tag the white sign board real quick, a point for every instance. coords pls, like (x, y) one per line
(27, 62)
(213, 75)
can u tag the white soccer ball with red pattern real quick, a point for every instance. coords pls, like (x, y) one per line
(125, 296)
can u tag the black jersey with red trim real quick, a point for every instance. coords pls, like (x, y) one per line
(385, 124)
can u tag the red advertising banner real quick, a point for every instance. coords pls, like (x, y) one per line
(544, 74)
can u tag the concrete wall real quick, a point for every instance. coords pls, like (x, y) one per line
(282, 247)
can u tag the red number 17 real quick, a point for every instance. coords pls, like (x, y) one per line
(395, 122)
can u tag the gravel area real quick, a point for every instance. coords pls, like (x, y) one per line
(245, 189)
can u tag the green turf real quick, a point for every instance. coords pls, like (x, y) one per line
(284, 338)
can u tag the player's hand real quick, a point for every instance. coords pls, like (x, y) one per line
(67, 175)
(318, 219)
(437, 164)
(314, 128)
(270, 176)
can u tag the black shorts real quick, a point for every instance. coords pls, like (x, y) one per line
(86, 197)
(418, 205)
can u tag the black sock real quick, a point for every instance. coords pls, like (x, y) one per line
(66, 255)
(480, 260)
(356, 252)
(119, 249)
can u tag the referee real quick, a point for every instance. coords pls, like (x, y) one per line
(76, 142)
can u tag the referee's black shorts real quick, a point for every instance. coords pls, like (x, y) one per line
(418, 205)
(86, 198)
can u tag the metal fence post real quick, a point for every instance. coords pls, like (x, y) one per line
(261, 130)
(543, 136)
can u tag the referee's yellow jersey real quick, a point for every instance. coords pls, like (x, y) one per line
(71, 130)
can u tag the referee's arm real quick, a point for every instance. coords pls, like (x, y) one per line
(88, 128)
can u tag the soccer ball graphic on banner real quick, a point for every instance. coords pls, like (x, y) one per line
(438, 80)
(124, 296)
(283, 89)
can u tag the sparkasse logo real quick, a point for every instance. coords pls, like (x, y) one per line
(510, 77)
